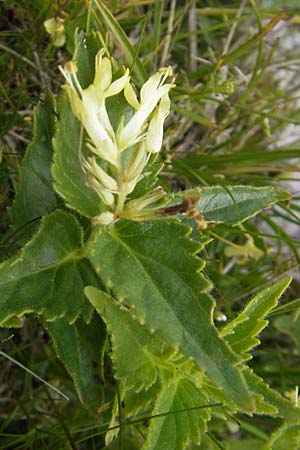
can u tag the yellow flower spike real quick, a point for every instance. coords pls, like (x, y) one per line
(88, 106)
(144, 131)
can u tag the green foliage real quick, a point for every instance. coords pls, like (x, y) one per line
(241, 332)
(154, 367)
(34, 194)
(136, 358)
(285, 437)
(160, 284)
(80, 347)
(232, 204)
(271, 399)
(48, 275)
(183, 419)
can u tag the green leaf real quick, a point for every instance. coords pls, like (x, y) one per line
(283, 407)
(151, 267)
(132, 403)
(179, 427)
(35, 195)
(241, 332)
(70, 180)
(136, 359)
(118, 32)
(80, 348)
(87, 47)
(232, 204)
(48, 274)
(286, 437)
(237, 159)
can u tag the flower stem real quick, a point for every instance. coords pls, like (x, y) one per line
(121, 198)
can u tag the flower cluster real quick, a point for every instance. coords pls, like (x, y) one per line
(142, 135)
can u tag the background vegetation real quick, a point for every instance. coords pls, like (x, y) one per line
(235, 118)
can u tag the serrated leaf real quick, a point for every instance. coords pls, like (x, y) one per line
(241, 333)
(232, 204)
(132, 403)
(48, 274)
(135, 402)
(286, 437)
(151, 267)
(181, 426)
(80, 347)
(285, 408)
(70, 180)
(35, 195)
(136, 353)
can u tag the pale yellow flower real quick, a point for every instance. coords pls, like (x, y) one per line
(55, 27)
(151, 93)
(245, 251)
(142, 134)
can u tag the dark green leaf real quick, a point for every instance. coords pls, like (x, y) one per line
(232, 204)
(87, 47)
(49, 273)
(35, 195)
(80, 348)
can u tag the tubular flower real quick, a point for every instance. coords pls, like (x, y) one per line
(142, 135)
(151, 93)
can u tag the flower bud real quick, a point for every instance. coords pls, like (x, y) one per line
(106, 218)
(106, 180)
(137, 163)
(156, 127)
